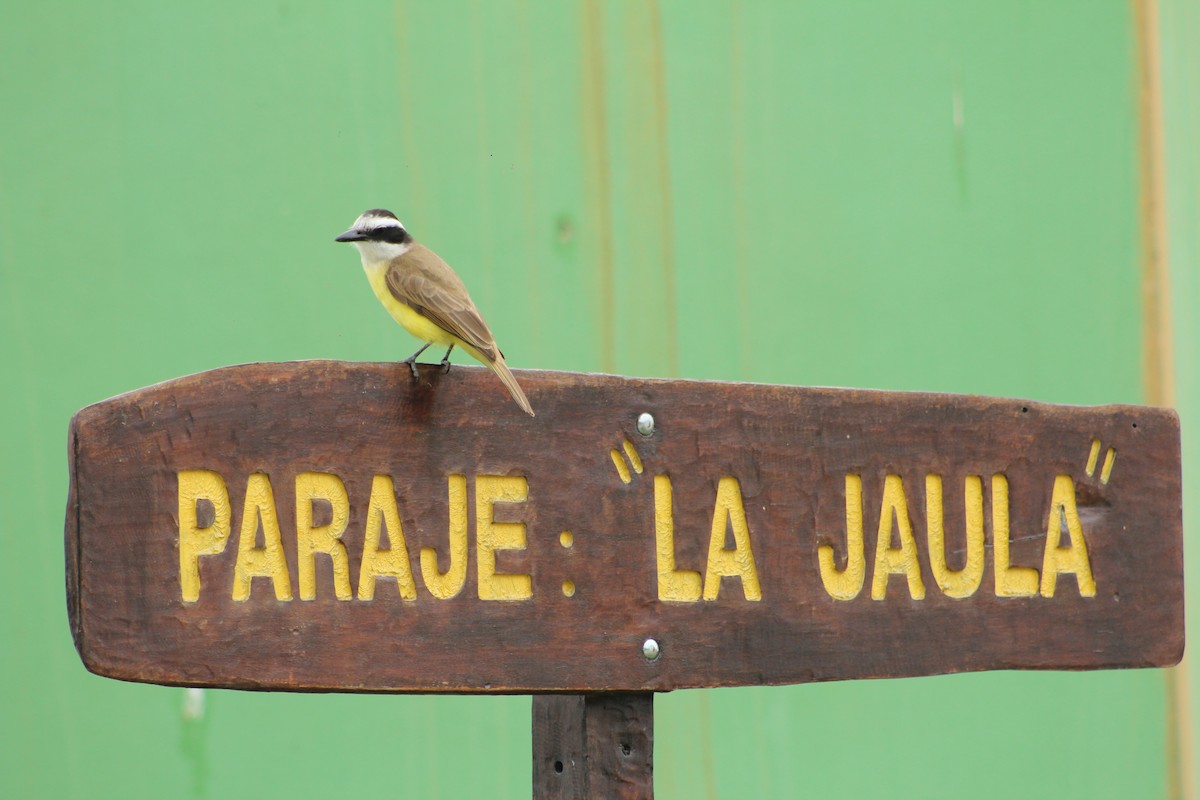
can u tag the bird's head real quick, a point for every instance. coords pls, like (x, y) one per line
(378, 235)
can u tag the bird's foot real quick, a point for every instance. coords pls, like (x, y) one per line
(412, 360)
(446, 361)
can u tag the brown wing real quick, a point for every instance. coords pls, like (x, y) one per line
(423, 281)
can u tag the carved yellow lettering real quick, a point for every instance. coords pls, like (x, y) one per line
(957, 583)
(1073, 558)
(326, 539)
(729, 512)
(194, 541)
(903, 559)
(491, 536)
(394, 563)
(1010, 581)
(845, 584)
(267, 561)
(674, 585)
(448, 584)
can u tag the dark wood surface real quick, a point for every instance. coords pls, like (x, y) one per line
(596, 745)
(788, 447)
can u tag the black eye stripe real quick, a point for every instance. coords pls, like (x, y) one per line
(390, 233)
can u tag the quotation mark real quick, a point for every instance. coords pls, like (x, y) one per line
(1094, 456)
(634, 459)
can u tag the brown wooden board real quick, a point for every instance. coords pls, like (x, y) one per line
(784, 459)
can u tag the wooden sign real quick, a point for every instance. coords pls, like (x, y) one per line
(333, 526)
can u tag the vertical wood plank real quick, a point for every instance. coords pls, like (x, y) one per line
(559, 746)
(595, 745)
(619, 729)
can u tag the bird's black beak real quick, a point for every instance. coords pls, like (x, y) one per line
(350, 236)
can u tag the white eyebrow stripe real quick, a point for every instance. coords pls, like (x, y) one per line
(366, 223)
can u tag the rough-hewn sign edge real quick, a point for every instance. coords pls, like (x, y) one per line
(73, 555)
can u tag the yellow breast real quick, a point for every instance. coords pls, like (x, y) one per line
(414, 323)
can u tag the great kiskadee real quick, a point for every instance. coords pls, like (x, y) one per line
(424, 295)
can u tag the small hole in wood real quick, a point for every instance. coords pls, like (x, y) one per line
(626, 749)
(558, 766)
(1135, 424)
(1024, 410)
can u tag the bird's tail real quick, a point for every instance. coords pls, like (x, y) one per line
(506, 377)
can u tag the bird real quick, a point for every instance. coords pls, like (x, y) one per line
(422, 293)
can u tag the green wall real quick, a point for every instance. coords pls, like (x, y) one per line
(930, 195)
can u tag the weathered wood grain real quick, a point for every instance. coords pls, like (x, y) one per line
(789, 448)
(595, 745)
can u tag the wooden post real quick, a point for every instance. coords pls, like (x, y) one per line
(593, 745)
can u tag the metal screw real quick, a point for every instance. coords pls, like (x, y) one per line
(650, 650)
(645, 424)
